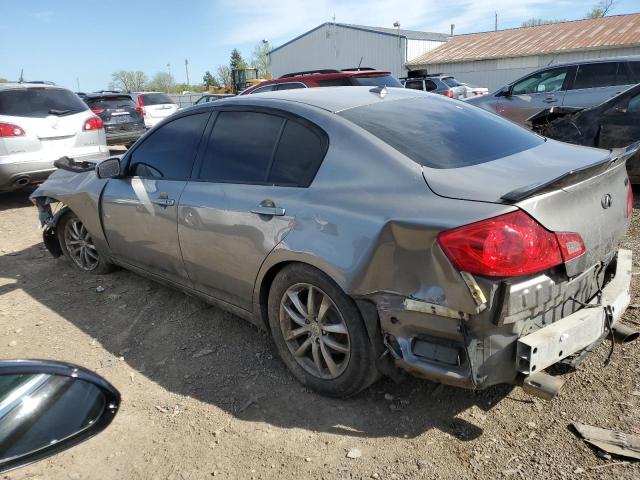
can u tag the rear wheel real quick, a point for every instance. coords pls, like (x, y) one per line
(77, 245)
(319, 332)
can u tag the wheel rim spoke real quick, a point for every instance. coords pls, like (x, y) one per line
(311, 306)
(333, 345)
(325, 305)
(295, 300)
(294, 316)
(303, 348)
(296, 333)
(335, 328)
(331, 365)
(315, 353)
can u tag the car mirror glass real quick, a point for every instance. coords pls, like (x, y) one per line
(47, 407)
(109, 168)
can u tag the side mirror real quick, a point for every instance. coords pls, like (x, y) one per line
(109, 168)
(47, 407)
(504, 91)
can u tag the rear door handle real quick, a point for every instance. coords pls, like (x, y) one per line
(550, 100)
(164, 202)
(271, 211)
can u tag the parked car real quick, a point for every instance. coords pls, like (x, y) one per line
(439, 83)
(581, 84)
(612, 124)
(122, 117)
(40, 123)
(47, 407)
(327, 78)
(211, 97)
(320, 215)
(155, 106)
(473, 91)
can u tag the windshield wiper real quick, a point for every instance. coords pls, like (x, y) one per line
(55, 111)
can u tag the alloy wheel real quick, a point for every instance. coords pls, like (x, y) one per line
(80, 245)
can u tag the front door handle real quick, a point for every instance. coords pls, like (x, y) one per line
(271, 211)
(164, 202)
(550, 100)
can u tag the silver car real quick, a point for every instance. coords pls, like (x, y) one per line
(40, 123)
(366, 235)
(581, 84)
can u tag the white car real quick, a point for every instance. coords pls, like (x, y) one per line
(156, 106)
(471, 91)
(39, 123)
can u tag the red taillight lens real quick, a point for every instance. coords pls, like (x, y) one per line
(10, 130)
(629, 200)
(97, 111)
(141, 105)
(93, 123)
(448, 93)
(139, 109)
(508, 245)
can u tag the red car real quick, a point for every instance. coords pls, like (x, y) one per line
(327, 78)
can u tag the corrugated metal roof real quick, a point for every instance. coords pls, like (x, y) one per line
(591, 34)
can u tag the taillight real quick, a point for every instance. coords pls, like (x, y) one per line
(10, 130)
(93, 123)
(140, 105)
(97, 111)
(140, 109)
(448, 93)
(508, 245)
(629, 200)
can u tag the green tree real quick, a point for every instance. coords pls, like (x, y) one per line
(224, 75)
(4, 80)
(209, 80)
(260, 59)
(128, 80)
(533, 22)
(601, 9)
(161, 82)
(236, 60)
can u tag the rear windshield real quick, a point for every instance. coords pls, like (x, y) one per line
(442, 133)
(156, 99)
(40, 102)
(451, 82)
(381, 81)
(111, 102)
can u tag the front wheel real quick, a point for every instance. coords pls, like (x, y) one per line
(77, 245)
(319, 332)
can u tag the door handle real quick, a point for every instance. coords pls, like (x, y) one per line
(550, 100)
(164, 202)
(271, 211)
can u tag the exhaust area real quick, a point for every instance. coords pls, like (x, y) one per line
(624, 334)
(21, 182)
(542, 385)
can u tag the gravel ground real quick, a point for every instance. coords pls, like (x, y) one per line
(204, 394)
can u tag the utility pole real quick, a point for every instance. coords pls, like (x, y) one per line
(21, 77)
(78, 83)
(397, 25)
(186, 67)
(495, 28)
(169, 69)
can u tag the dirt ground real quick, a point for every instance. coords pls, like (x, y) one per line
(204, 394)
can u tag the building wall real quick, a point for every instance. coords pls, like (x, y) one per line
(332, 46)
(415, 48)
(494, 74)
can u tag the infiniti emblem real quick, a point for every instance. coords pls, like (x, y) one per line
(606, 201)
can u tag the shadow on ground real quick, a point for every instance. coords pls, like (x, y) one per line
(191, 348)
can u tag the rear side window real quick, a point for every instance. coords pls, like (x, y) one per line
(634, 67)
(414, 84)
(260, 148)
(289, 86)
(267, 88)
(594, 75)
(156, 99)
(169, 152)
(381, 81)
(430, 85)
(335, 82)
(110, 102)
(428, 131)
(451, 82)
(40, 102)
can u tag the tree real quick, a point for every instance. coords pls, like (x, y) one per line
(601, 9)
(260, 59)
(162, 82)
(533, 22)
(209, 80)
(236, 60)
(128, 80)
(224, 75)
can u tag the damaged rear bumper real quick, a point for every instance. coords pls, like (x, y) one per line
(477, 351)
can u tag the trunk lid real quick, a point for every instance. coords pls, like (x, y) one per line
(564, 187)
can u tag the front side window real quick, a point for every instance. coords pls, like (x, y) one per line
(262, 148)
(430, 85)
(169, 152)
(266, 88)
(594, 75)
(541, 82)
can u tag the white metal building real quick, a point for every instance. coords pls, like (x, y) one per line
(494, 59)
(338, 45)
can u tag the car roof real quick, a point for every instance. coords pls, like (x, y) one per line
(316, 75)
(332, 99)
(25, 85)
(107, 95)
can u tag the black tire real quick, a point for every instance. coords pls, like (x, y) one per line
(357, 368)
(64, 230)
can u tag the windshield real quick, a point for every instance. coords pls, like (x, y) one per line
(380, 81)
(440, 133)
(156, 99)
(40, 102)
(451, 82)
(110, 102)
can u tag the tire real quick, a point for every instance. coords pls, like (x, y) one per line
(74, 240)
(335, 357)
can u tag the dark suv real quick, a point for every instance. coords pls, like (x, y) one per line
(122, 117)
(327, 78)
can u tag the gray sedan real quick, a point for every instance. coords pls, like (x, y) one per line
(366, 234)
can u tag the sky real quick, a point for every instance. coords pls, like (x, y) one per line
(80, 43)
